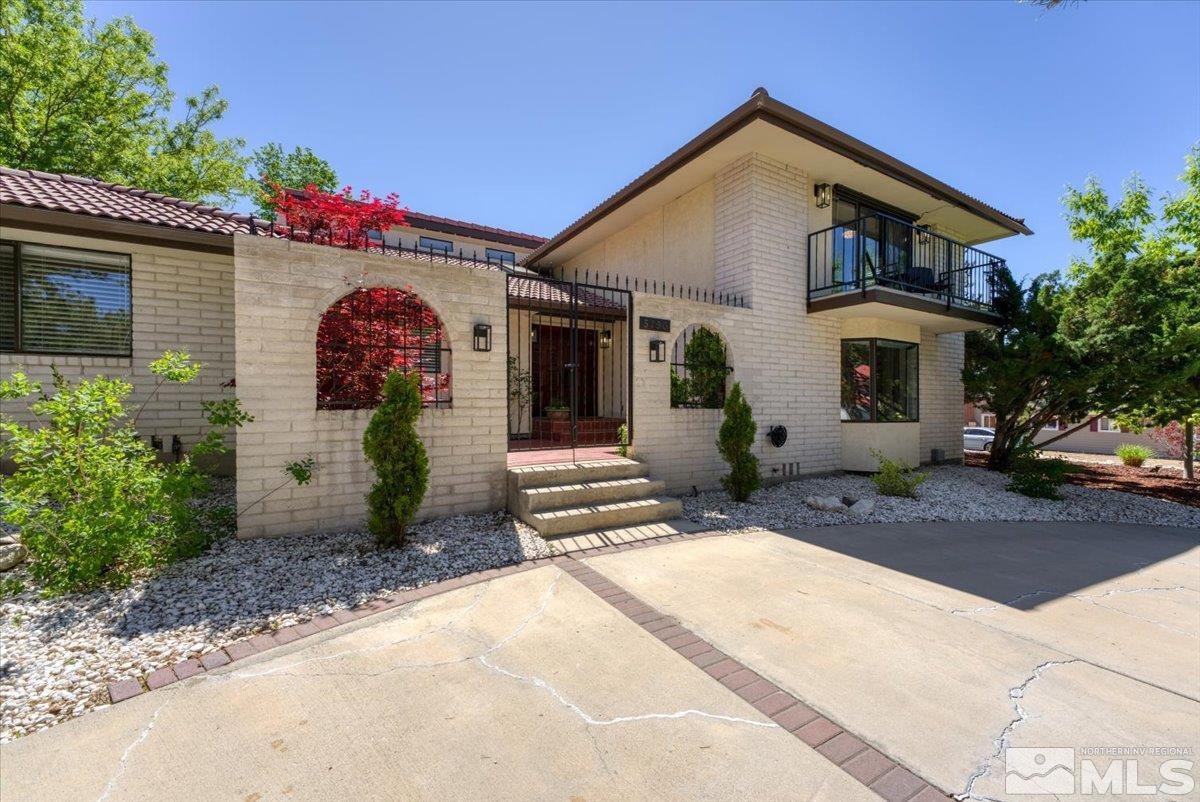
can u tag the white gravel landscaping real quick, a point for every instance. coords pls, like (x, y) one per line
(59, 654)
(951, 493)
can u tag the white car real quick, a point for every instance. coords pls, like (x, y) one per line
(978, 438)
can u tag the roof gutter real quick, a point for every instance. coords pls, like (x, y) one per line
(762, 106)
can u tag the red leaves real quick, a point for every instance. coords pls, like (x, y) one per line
(336, 218)
(367, 334)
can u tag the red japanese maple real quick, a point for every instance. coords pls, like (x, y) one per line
(336, 218)
(371, 332)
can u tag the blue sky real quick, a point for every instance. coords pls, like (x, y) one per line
(526, 116)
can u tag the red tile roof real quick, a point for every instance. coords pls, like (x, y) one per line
(89, 196)
(556, 294)
(94, 198)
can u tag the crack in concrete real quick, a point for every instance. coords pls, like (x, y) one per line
(119, 772)
(1004, 740)
(1090, 598)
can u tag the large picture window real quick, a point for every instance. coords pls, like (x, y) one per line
(879, 381)
(64, 300)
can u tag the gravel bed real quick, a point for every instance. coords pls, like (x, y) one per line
(951, 493)
(58, 655)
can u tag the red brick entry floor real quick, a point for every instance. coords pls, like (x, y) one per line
(549, 456)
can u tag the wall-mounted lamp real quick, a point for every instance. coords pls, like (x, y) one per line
(658, 350)
(824, 195)
(606, 339)
(483, 337)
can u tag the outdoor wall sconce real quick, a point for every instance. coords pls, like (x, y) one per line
(483, 337)
(658, 350)
(606, 339)
(824, 196)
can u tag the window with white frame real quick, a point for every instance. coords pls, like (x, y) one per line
(1106, 425)
(988, 420)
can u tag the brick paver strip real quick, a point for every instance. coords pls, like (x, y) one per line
(214, 659)
(161, 677)
(125, 689)
(188, 668)
(866, 765)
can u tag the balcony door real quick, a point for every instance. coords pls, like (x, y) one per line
(876, 244)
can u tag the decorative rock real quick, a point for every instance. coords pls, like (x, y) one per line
(12, 555)
(862, 507)
(829, 503)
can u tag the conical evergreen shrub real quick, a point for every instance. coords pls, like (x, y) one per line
(734, 441)
(398, 456)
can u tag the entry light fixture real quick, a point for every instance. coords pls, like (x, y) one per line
(824, 195)
(606, 339)
(483, 337)
(658, 350)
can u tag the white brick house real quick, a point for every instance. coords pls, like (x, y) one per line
(838, 279)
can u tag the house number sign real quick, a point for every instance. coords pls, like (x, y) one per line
(654, 324)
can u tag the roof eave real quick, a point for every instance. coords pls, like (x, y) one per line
(763, 106)
(79, 224)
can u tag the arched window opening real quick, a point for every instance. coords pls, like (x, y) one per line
(371, 332)
(698, 369)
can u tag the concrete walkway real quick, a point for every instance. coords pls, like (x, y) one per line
(935, 645)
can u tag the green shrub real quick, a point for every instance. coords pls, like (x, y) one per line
(398, 455)
(896, 477)
(1036, 477)
(704, 358)
(92, 501)
(734, 441)
(623, 440)
(1133, 455)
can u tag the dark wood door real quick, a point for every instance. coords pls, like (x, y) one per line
(552, 361)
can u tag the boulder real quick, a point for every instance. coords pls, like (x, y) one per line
(862, 507)
(830, 503)
(12, 555)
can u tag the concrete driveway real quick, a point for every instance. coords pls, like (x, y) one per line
(942, 644)
(935, 645)
(529, 687)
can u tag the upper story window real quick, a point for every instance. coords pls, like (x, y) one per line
(497, 256)
(57, 300)
(879, 381)
(439, 245)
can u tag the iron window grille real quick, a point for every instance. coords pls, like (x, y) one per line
(371, 332)
(57, 300)
(699, 369)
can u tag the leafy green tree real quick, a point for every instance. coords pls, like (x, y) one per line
(704, 359)
(395, 450)
(734, 441)
(1115, 337)
(80, 97)
(273, 166)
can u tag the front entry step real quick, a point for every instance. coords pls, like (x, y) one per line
(568, 498)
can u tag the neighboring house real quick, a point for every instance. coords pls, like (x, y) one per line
(833, 281)
(1101, 436)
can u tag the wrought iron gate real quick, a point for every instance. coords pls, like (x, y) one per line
(569, 360)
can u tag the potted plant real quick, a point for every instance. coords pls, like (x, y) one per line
(559, 414)
(557, 410)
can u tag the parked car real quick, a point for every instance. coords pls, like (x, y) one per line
(977, 438)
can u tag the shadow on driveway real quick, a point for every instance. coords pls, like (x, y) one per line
(992, 560)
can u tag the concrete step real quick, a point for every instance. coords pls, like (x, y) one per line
(610, 515)
(573, 473)
(537, 499)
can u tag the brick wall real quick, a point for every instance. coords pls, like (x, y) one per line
(941, 363)
(786, 361)
(182, 300)
(281, 290)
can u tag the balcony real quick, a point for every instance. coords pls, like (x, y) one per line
(882, 266)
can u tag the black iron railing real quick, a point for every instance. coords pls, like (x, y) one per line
(879, 250)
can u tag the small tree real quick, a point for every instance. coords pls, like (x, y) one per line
(395, 450)
(335, 218)
(734, 442)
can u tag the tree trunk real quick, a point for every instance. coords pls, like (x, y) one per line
(1189, 449)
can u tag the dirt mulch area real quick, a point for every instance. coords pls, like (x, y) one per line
(1165, 484)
